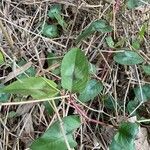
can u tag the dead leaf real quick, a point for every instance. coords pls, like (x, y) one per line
(23, 109)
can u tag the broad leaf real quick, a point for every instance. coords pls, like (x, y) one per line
(74, 70)
(128, 58)
(92, 89)
(96, 26)
(143, 92)
(1, 58)
(53, 138)
(146, 69)
(133, 3)
(55, 13)
(50, 31)
(37, 87)
(124, 138)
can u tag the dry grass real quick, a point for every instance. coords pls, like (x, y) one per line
(21, 20)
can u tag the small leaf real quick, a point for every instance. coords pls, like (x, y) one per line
(124, 138)
(92, 69)
(31, 72)
(146, 69)
(92, 89)
(109, 102)
(1, 58)
(37, 87)
(3, 96)
(53, 138)
(96, 26)
(50, 31)
(142, 32)
(133, 3)
(136, 44)
(74, 70)
(132, 105)
(145, 93)
(55, 9)
(110, 41)
(128, 58)
(55, 13)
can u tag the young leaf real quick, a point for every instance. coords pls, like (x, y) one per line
(55, 13)
(53, 138)
(92, 69)
(96, 26)
(110, 42)
(1, 58)
(37, 87)
(136, 44)
(142, 32)
(74, 70)
(92, 89)
(133, 3)
(145, 93)
(128, 58)
(146, 69)
(50, 31)
(124, 138)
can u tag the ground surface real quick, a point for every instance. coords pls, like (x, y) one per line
(22, 20)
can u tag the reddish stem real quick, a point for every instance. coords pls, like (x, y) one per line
(81, 112)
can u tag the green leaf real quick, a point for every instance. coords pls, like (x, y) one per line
(145, 92)
(136, 44)
(3, 96)
(109, 102)
(92, 69)
(96, 26)
(128, 58)
(124, 138)
(92, 89)
(132, 105)
(31, 72)
(110, 42)
(133, 3)
(142, 32)
(146, 69)
(74, 70)
(1, 58)
(53, 138)
(37, 87)
(55, 13)
(50, 31)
